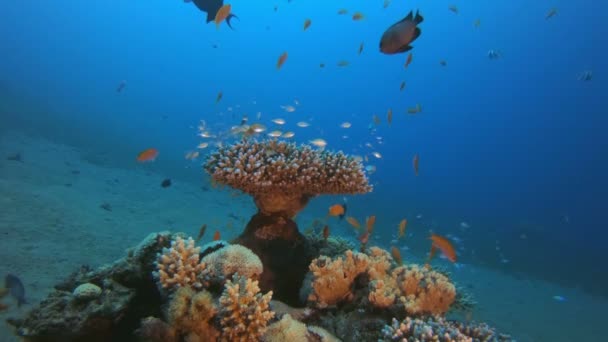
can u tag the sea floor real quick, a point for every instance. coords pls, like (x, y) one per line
(53, 220)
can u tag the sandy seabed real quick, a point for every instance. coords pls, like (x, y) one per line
(52, 222)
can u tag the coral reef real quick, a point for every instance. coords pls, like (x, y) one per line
(244, 311)
(190, 314)
(225, 262)
(282, 177)
(290, 330)
(439, 329)
(179, 265)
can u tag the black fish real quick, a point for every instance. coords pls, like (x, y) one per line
(15, 285)
(398, 37)
(211, 7)
(166, 183)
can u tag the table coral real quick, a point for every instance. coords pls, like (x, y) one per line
(244, 311)
(282, 177)
(179, 265)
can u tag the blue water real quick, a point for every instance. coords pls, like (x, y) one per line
(515, 147)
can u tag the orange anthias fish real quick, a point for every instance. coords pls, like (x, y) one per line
(307, 23)
(222, 14)
(148, 155)
(444, 245)
(364, 238)
(415, 163)
(325, 232)
(282, 60)
(370, 222)
(216, 236)
(201, 232)
(402, 226)
(398, 37)
(408, 60)
(389, 116)
(337, 210)
(353, 222)
(396, 255)
(358, 16)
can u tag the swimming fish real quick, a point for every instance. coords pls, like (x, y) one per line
(166, 183)
(415, 163)
(319, 142)
(201, 232)
(222, 14)
(369, 223)
(216, 235)
(402, 86)
(353, 222)
(386, 3)
(307, 23)
(281, 60)
(551, 13)
(342, 11)
(364, 238)
(408, 60)
(337, 210)
(396, 255)
(15, 287)
(402, 226)
(398, 37)
(361, 48)
(219, 97)
(212, 7)
(389, 116)
(414, 110)
(443, 62)
(121, 86)
(148, 155)
(325, 232)
(358, 16)
(453, 8)
(444, 245)
(476, 23)
(343, 63)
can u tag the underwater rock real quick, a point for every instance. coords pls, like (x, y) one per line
(285, 254)
(128, 294)
(86, 291)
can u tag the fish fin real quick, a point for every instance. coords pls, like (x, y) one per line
(416, 34)
(409, 16)
(210, 17)
(418, 18)
(230, 16)
(404, 48)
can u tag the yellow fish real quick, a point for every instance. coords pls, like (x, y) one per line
(402, 226)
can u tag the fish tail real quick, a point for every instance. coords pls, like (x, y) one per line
(230, 16)
(418, 18)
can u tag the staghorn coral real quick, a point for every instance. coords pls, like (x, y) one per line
(225, 262)
(282, 177)
(244, 312)
(333, 278)
(190, 314)
(179, 265)
(424, 291)
(438, 329)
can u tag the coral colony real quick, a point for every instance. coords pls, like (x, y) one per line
(270, 284)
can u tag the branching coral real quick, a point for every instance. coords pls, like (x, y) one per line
(244, 311)
(333, 278)
(190, 314)
(424, 291)
(282, 177)
(438, 329)
(179, 265)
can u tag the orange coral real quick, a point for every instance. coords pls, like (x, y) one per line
(190, 314)
(424, 290)
(179, 265)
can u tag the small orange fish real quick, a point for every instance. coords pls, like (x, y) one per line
(369, 223)
(402, 226)
(337, 210)
(148, 155)
(389, 116)
(415, 162)
(307, 23)
(402, 86)
(361, 48)
(219, 97)
(325, 232)
(222, 14)
(353, 222)
(282, 60)
(216, 236)
(445, 246)
(201, 232)
(396, 255)
(358, 16)
(364, 238)
(408, 60)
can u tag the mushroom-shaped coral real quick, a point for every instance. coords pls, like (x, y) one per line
(179, 265)
(244, 311)
(225, 262)
(282, 177)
